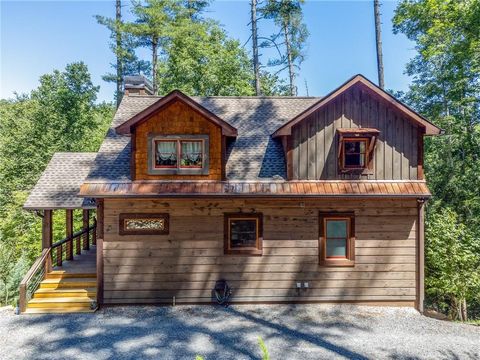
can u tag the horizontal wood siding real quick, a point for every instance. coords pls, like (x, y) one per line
(186, 263)
(178, 119)
(315, 140)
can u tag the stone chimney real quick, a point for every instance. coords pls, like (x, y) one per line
(137, 85)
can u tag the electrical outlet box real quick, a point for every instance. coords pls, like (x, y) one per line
(305, 285)
(299, 285)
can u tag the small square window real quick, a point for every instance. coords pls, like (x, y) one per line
(355, 153)
(243, 234)
(337, 239)
(356, 148)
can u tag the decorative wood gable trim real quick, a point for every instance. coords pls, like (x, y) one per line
(176, 95)
(430, 129)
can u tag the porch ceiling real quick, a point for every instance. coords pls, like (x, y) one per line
(60, 183)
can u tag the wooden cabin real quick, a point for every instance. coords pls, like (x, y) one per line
(287, 199)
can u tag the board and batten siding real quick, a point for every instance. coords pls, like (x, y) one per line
(186, 263)
(315, 140)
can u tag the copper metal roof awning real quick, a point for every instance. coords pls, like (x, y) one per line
(416, 189)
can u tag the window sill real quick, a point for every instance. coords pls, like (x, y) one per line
(337, 263)
(245, 252)
(367, 171)
(177, 171)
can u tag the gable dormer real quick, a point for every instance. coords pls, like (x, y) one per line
(358, 131)
(177, 139)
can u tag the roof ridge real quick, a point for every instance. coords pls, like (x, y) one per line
(232, 97)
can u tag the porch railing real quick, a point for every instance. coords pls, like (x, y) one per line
(65, 249)
(54, 256)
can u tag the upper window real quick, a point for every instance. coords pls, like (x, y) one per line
(143, 224)
(356, 149)
(179, 154)
(243, 234)
(337, 247)
(355, 153)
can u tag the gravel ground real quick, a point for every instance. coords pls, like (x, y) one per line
(289, 331)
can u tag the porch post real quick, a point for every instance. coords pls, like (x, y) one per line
(100, 234)
(86, 215)
(47, 237)
(69, 233)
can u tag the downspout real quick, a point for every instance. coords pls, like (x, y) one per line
(420, 254)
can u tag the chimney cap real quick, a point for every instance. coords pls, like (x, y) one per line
(134, 84)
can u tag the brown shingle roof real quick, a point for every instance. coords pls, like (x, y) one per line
(254, 155)
(58, 186)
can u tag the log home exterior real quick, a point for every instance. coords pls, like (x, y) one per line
(287, 199)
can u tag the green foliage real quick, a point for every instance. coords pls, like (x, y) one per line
(453, 258)
(60, 115)
(446, 89)
(200, 59)
(263, 348)
(123, 46)
(193, 53)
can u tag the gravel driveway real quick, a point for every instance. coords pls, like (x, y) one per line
(289, 331)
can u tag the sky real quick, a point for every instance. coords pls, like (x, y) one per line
(37, 37)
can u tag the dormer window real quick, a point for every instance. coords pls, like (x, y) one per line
(355, 154)
(356, 149)
(178, 154)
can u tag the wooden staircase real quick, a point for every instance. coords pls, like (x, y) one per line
(61, 292)
(70, 288)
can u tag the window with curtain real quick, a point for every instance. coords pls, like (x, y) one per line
(165, 154)
(191, 154)
(337, 239)
(179, 154)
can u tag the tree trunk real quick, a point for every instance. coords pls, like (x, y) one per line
(378, 40)
(464, 310)
(154, 63)
(118, 35)
(291, 73)
(256, 64)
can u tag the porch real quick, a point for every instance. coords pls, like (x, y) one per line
(64, 277)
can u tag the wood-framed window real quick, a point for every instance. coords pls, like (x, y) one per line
(356, 149)
(337, 239)
(144, 224)
(243, 233)
(355, 153)
(178, 154)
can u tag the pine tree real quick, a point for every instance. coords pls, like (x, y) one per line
(288, 16)
(123, 46)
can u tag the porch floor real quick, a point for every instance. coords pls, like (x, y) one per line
(86, 263)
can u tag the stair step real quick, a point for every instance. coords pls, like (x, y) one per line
(58, 302)
(68, 283)
(65, 292)
(59, 310)
(62, 274)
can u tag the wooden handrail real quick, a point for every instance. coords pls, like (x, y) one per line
(39, 262)
(75, 235)
(45, 260)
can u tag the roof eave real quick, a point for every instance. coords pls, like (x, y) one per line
(430, 129)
